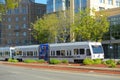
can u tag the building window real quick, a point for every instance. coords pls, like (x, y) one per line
(16, 11)
(24, 26)
(17, 34)
(24, 33)
(102, 1)
(24, 41)
(110, 2)
(9, 41)
(24, 18)
(24, 11)
(118, 3)
(17, 27)
(17, 41)
(9, 19)
(39, 11)
(9, 26)
(16, 19)
(9, 12)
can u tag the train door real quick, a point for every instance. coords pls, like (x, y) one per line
(44, 51)
(12, 52)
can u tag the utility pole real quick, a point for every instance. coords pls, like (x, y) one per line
(72, 34)
(111, 47)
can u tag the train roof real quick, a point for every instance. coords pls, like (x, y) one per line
(4, 48)
(27, 46)
(74, 43)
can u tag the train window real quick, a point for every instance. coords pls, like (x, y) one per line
(35, 53)
(58, 53)
(24, 53)
(75, 51)
(19, 53)
(52, 53)
(6, 53)
(68, 52)
(62, 52)
(30, 53)
(97, 49)
(88, 52)
(82, 51)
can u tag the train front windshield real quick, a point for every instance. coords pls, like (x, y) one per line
(97, 49)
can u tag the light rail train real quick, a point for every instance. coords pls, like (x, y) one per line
(73, 52)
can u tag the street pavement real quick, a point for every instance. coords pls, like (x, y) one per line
(21, 73)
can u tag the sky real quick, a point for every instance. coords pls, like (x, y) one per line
(41, 1)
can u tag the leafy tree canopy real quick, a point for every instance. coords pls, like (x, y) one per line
(8, 4)
(58, 27)
(90, 27)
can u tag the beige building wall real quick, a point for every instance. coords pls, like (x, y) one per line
(96, 4)
(110, 12)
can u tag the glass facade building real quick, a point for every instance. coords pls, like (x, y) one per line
(80, 5)
(111, 43)
(57, 5)
(50, 6)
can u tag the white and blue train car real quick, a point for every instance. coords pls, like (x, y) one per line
(76, 51)
(4, 53)
(73, 52)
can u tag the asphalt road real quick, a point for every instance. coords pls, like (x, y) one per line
(20, 73)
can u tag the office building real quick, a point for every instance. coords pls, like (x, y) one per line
(111, 40)
(57, 5)
(16, 24)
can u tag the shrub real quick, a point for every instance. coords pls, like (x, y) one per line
(112, 65)
(64, 61)
(30, 61)
(118, 62)
(12, 60)
(54, 61)
(97, 61)
(15, 60)
(41, 61)
(88, 61)
(103, 62)
(109, 61)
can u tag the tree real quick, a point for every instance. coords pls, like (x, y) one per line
(89, 27)
(8, 4)
(64, 25)
(53, 28)
(45, 29)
